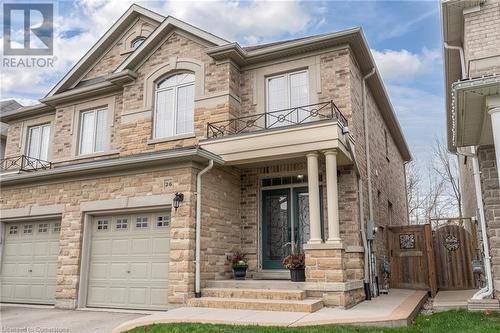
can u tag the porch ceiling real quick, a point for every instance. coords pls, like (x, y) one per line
(472, 124)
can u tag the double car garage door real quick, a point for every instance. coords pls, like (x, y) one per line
(128, 262)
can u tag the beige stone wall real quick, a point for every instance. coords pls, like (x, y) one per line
(491, 201)
(221, 227)
(72, 193)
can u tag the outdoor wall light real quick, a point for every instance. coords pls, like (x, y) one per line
(178, 198)
(300, 177)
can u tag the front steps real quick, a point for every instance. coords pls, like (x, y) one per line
(248, 297)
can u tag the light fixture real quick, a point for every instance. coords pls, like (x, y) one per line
(178, 198)
(300, 177)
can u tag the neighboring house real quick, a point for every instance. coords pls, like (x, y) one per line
(6, 106)
(278, 130)
(472, 74)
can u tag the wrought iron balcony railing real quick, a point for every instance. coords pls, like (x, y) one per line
(23, 163)
(276, 119)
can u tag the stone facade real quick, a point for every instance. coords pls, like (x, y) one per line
(231, 195)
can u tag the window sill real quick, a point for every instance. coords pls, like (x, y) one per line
(171, 138)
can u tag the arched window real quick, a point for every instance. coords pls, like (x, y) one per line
(137, 41)
(174, 111)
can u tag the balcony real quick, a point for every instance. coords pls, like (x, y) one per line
(23, 163)
(281, 134)
(277, 119)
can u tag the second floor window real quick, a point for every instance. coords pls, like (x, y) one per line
(93, 131)
(38, 142)
(174, 111)
(284, 92)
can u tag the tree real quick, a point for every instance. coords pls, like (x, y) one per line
(446, 167)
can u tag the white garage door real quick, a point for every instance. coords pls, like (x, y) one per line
(129, 261)
(29, 262)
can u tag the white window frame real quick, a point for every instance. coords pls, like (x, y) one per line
(288, 98)
(102, 225)
(43, 228)
(164, 222)
(142, 222)
(28, 229)
(30, 137)
(57, 227)
(13, 230)
(175, 110)
(122, 224)
(94, 132)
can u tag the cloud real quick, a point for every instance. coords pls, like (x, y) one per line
(403, 65)
(404, 27)
(247, 21)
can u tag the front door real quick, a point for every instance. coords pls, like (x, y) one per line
(285, 224)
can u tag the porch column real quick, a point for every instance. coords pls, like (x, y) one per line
(314, 210)
(495, 125)
(332, 197)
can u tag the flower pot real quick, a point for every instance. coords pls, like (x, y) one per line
(298, 275)
(240, 273)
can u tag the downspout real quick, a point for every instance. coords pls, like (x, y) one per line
(197, 288)
(488, 290)
(361, 203)
(462, 57)
(369, 254)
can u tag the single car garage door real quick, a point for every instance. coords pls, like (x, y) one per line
(129, 261)
(29, 262)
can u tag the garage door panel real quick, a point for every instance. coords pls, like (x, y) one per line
(38, 292)
(128, 262)
(141, 246)
(161, 246)
(41, 249)
(118, 270)
(51, 269)
(138, 296)
(39, 270)
(98, 271)
(159, 270)
(159, 296)
(120, 246)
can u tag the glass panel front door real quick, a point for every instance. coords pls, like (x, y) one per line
(285, 224)
(276, 227)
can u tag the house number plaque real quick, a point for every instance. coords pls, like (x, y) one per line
(168, 183)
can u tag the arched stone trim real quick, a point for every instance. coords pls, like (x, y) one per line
(173, 66)
(144, 29)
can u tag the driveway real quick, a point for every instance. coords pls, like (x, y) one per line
(45, 319)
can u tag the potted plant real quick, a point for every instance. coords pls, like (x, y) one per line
(295, 262)
(239, 263)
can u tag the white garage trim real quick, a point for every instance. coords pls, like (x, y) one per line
(87, 243)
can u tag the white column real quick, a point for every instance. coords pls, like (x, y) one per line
(495, 125)
(332, 197)
(314, 210)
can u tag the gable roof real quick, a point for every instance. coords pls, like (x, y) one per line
(110, 37)
(9, 105)
(161, 32)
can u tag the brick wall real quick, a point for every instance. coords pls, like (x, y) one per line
(481, 33)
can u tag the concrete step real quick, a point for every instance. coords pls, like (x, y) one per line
(483, 305)
(306, 305)
(256, 284)
(255, 293)
(272, 275)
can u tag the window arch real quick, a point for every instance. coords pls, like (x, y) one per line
(136, 42)
(174, 107)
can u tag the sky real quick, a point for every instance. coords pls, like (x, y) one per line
(405, 38)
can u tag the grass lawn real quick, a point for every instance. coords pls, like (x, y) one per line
(444, 322)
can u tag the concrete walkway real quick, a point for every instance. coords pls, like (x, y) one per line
(396, 309)
(452, 299)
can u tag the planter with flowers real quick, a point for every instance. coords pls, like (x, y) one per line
(295, 262)
(239, 263)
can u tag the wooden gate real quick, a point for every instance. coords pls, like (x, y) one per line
(454, 250)
(412, 258)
